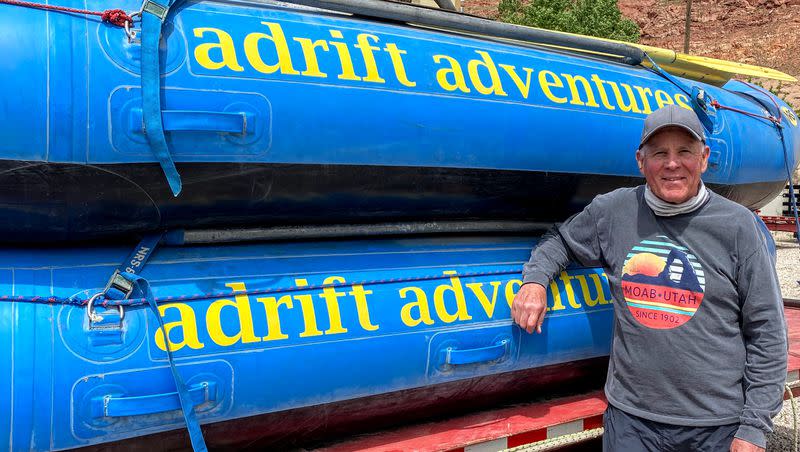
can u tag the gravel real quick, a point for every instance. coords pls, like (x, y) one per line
(783, 436)
(788, 266)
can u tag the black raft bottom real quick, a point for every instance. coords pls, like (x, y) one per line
(317, 426)
(51, 202)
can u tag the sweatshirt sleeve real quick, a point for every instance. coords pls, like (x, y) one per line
(574, 240)
(764, 332)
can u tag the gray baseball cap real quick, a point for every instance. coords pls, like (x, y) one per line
(672, 116)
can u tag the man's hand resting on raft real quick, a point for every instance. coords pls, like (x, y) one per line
(528, 307)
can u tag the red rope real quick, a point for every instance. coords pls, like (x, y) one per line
(719, 106)
(116, 17)
(770, 97)
(777, 121)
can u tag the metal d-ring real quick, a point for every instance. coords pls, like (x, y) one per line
(130, 32)
(93, 316)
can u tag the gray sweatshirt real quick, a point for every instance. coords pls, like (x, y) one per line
(699, 329)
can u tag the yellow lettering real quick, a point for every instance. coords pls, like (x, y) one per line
(224, 44)
(331, 297)
(607, 298)
(310, 55)
(421, 303)
(309, 314)
(573, 89)
(547, 80)
(360, 295)
(369, 57)
(271, 306)
(643, 92)
(348, 73)
(187, 323)
(458, 83)
(567, 280)
(284, 64)
(488, 306)
(557, 304)
(496, 87)
(458, 292)
(631, 106)
(663, 99)
(242, 306)
(683, 101)
(524, 88)
(397, 62)
(598, 82)
(511, 290)
(598, 290)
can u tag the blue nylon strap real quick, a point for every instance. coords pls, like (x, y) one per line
(126, 280)
(669, 76)
(151, 90)
(696, 95)
(115, 290)
(792, 198)
(141, 254)
(187, 404)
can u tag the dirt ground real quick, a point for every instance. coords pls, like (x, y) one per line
(760, 32)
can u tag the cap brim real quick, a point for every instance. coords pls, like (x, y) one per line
(661, 127)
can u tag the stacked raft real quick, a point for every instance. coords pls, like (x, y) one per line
(292, 119)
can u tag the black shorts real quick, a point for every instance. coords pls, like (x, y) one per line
(627, 433)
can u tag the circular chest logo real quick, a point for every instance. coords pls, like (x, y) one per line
(663, 283)
(789, 115)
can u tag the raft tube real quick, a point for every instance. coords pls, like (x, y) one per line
(282, 342)
(282, 115)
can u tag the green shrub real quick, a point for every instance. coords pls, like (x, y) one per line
(600, 18)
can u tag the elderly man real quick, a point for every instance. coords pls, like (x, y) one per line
(698, 358)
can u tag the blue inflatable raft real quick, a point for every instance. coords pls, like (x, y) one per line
(277, 115)
(372, 117)
(273, 328)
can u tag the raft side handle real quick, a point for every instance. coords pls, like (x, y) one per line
(118, 406)
(494, 352)
(197, 121)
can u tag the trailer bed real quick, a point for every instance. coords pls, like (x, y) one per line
(542, 424)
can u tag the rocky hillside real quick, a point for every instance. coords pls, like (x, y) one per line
(760, 32)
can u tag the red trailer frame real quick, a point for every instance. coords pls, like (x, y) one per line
(784, 224)
(545, 425)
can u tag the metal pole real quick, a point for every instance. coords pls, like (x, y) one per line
(687, 29)
(200, 236)
(446, 4)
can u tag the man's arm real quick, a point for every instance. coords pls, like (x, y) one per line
(764, 332)
(576, 239)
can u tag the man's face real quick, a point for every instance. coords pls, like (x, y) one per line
(672, 161)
